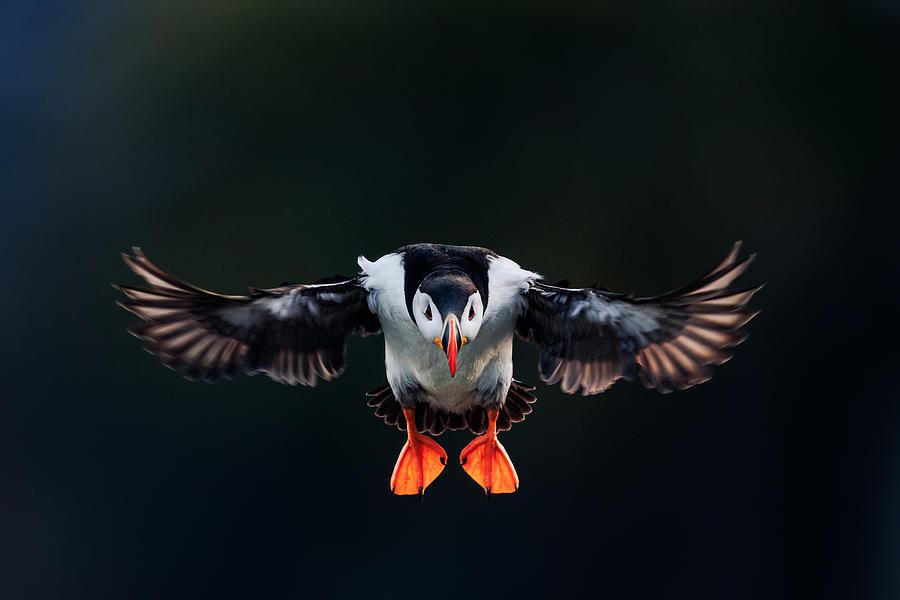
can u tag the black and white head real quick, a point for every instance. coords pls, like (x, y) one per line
(448, 310)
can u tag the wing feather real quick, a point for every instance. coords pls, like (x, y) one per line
(589, 338)
(294, 333)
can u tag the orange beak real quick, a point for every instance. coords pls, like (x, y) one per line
(451, 341)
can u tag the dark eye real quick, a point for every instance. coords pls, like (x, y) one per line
(428, 312)
(471, 312)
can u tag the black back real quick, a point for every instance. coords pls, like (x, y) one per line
(422, 260)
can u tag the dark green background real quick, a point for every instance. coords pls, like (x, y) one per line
(621, 144)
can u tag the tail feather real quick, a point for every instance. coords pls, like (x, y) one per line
(434, 421)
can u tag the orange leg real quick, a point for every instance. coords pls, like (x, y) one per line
(486, 461)
(420, 462)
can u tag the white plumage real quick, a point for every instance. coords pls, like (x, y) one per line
(411, 360)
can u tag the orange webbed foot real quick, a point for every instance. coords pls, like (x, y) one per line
(420, 462)
(486, 461)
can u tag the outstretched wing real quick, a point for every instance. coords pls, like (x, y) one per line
(294, 333)
(589, 338)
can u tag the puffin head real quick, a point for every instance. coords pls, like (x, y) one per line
(448, 309)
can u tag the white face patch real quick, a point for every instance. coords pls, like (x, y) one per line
(472, 317)
(470, 320)
(427, 316)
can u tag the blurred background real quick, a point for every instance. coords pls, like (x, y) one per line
(617, 143)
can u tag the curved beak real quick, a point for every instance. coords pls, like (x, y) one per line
(451, 341)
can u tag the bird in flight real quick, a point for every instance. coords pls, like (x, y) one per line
(448, 315)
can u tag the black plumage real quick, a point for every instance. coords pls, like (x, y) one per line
(206, 335)
(589, 338)
(434, 421)
(450, 290)
(423, 260)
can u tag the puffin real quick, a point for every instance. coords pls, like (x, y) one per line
(448, 315)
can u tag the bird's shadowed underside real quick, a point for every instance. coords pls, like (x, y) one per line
(517, 405)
